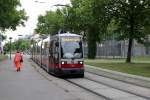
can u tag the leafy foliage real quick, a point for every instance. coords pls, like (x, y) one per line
(21, 45)
(10, 17)
(128, 19)
(130, 16)
(50, 23)
(83, 21)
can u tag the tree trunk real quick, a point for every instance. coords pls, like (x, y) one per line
(92, 44)
(131, 32)
(128, 60)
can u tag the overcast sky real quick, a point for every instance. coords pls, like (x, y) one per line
(33, 9)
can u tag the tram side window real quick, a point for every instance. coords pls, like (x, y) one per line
(44, 51)
(57, 46)
(56, 51)
(54, 47)
(45, 48)
(51, 48)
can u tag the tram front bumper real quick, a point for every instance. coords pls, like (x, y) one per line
(70, 71)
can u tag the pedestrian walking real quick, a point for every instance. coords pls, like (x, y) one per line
(18, 59)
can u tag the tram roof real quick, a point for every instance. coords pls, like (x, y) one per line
(68, 34)
(47, 39)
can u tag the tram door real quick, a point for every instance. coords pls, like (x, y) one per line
(51, 64)
(53, 57)
(45, 55)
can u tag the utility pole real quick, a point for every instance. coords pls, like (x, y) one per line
(64, 14)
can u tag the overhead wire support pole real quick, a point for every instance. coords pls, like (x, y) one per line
(64, 14)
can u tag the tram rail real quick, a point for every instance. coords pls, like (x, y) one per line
(119, 88)
(79, 82)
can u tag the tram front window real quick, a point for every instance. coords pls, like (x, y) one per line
(71, 48)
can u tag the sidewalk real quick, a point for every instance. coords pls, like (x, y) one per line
(27, 84)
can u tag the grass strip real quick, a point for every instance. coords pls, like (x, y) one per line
(140, 66)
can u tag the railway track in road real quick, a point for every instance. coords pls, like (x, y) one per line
(128, 87)
(109, 89)
(117, 94)
(81, 86)
(67, 87)
(97, 84)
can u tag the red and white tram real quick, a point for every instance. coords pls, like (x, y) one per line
(61, 54)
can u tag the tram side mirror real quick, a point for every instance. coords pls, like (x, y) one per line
(56, 44)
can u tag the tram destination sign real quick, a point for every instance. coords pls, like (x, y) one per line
(70, 39)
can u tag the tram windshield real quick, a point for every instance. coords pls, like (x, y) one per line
(71, 47)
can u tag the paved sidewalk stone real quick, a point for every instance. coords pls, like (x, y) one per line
(27, 84)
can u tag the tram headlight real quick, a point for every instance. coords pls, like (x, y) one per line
(62, 62)
(80, 62)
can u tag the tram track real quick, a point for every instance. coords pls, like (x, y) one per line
(99, 88)
(121, 80)
(105, 97)
(119, 88)
(43, 73)
(100, 91)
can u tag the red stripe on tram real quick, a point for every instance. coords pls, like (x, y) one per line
(71, 65)
(67, 65)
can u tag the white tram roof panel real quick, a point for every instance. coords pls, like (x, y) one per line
(68, 34)
(35, 36)
(47, 39)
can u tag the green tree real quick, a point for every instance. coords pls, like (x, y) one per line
(50, 23)
(79, 20)
(21, 45)
(6, 47)
(10, 16)
(131, 18)
(128, 18)
(82, 20)
(4, 37)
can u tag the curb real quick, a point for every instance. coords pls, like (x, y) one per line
(128, 78)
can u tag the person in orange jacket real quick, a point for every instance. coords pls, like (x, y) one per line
(17, 60)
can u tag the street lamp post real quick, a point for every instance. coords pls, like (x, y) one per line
(10, 46)
(18, 41)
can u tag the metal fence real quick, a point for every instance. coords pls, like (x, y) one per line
(118, 49)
